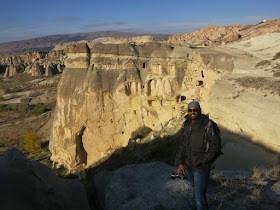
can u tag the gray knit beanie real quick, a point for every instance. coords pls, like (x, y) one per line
(194, 104)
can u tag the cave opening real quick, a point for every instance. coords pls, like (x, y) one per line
(81, 154)
(183, 98)
(199, 83)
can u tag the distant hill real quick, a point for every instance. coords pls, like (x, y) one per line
(47, 43)
(214, 36)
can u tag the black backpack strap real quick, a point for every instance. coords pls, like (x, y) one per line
(207, 128)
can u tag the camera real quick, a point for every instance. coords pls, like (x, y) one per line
(181, 175)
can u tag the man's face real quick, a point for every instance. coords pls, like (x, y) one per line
(193, 112)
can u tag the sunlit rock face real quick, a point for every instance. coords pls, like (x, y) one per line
(110, 90)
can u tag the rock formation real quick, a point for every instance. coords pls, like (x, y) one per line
(34, 63)
(149, 186)
(214, 36)
(32, 185)
(146, 186)
(110, 90)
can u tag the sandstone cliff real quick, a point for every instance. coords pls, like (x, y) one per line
(110, 90)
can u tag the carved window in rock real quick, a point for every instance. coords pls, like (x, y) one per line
(202, 75)
(195, 72)
(183, 98)
(199, 83)
(149, 89)
(177, 99)
(144, 65)
(189, 79)
(150, 103)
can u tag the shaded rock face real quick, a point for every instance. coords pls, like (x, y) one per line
(116, 88)
(32, 185)
(213, 36)
(145, 186)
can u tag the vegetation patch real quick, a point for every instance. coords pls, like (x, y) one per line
(271, 174)
(263, 63)
(277, 56)
(140, 133)
(15, 89)
(260, 83)
(24, 109)
(45, 86)
(31, 143)
(276, 74)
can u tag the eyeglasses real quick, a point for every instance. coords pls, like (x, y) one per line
(192, 110)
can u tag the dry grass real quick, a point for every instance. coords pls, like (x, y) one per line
(257, 192)
(45, 86)
(260, 83)
(263, 63)
(267, 174)
(246, 191)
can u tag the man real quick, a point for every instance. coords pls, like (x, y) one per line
(200, 146)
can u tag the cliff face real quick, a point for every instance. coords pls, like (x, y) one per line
(110, 90)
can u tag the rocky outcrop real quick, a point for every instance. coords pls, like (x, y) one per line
(32, 185)
(113, 89)
(12, 70)
(110, 90)
(109, 40)
(146, 186)
(214, 36)
(149, 186)
(34, 63)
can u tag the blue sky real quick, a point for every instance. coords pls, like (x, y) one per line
(28, 19)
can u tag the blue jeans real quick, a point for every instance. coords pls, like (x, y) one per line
(199, 181)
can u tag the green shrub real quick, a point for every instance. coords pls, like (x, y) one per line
(2, 98)
(141, 132)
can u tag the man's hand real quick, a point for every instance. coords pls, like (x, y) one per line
(180, 168)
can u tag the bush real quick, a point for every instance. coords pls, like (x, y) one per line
(141, 132)
(2, 98)
(25, 109)
(32, 142)
(277, 56)
(263, 63)
(14, 89)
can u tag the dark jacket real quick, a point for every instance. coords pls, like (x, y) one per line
(192, 150)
